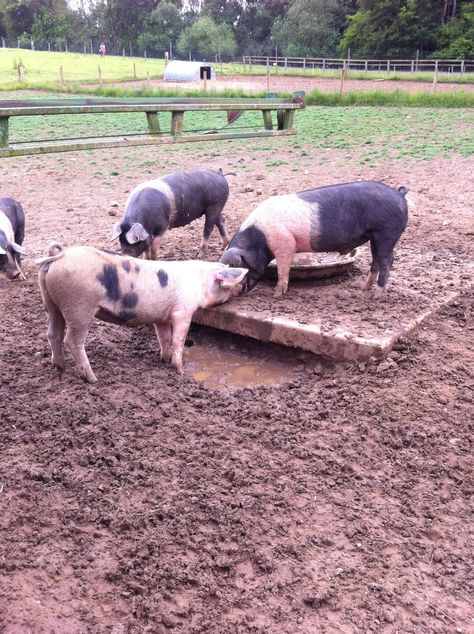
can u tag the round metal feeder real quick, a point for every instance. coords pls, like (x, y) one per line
(309, 265)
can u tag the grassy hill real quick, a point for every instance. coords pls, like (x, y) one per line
(44, 67)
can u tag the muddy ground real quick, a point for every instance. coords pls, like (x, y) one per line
(279, 83)
(338, 500)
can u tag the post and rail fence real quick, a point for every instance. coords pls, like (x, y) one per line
(414, 65)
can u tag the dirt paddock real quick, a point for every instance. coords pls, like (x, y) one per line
(337, 500)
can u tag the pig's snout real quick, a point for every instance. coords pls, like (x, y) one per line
(133, 250)
(249, 283)
(11, 272)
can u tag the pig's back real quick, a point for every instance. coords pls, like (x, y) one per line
(351, 213)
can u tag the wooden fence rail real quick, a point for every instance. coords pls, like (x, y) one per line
(386, 65)
(284, 109)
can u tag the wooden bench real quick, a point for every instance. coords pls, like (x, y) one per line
(285, 109)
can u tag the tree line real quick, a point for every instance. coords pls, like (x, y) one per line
(225, 28)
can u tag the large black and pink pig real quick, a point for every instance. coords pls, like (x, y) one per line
(332, 218)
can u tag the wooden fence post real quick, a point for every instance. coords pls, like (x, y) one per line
(268, 75)
(4, 135)
(435, 76)
(21, 73)
(343, 77)
(100, 77)
(61, 76)
(134, 71)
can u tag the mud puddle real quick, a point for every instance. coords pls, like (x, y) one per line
(220, 360)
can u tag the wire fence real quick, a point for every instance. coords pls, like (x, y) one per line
(409, 65)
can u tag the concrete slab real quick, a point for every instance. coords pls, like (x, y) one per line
(336, 318)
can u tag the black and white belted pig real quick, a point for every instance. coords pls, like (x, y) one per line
(12, 232)
(82, 282)
(332, 218)
(174, 200)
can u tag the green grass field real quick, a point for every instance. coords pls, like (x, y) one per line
(42, 70)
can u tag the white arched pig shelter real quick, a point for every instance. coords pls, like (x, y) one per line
(188, 71)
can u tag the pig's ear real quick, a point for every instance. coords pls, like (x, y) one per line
(232, 257)
(136, 233)
(18, 248)
(116, 231)
(230, 277)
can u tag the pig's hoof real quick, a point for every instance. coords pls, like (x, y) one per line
(90, 378)
(58, 364)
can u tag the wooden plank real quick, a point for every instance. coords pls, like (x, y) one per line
(267, 119)
(177, 123)
(23, 108)
(46, 147)
(196, 107)
(3, 131)
(288, 119)
(153, 122)
(128, 101)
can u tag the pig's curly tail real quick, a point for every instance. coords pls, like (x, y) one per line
(55, 251)
(54, 248)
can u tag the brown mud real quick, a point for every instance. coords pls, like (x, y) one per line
(337, 500)
(279, 83)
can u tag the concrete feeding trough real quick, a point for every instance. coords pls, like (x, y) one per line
(309, 265)
(336, 317)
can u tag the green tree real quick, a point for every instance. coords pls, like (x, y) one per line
(308, 29)
(204, 38)
(123, 20)
(227, 11)
(253, 29)
(162, 28)
(397, 28)
(41, 19)
(456, 39)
